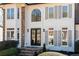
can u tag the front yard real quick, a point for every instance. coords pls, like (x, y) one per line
(8, 48)
(9, 52)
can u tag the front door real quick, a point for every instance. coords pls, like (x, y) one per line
(36, 37)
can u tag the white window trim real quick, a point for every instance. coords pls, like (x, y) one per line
(66, 38)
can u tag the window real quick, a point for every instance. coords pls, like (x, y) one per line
(51, 36)
(10, 34)
(17, 13)
(64, 36)
(51, 12)
(36, 15)
(46, 13)
(10, 13)
(59, 11)
(65, 11)
(55, 12)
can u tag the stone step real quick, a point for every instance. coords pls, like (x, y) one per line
(25, 54)
(31, 48)
(29, 51)
(26, 51)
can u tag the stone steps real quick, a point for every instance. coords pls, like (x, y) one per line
(29, 51)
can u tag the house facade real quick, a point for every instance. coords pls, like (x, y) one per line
(1, 33)
(33, 25)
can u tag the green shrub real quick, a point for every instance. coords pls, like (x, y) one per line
(44, 47)
(9, 52)
(8, 44)
(77, 46)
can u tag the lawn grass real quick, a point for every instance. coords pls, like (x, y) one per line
(9, 52)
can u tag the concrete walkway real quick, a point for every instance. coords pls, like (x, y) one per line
(52, 54)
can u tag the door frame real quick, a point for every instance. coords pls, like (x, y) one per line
(35, 36)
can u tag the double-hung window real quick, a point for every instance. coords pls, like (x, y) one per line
(51, 36)
(58, 12)
(10, 33)
(64, 36)
(49, 12)
(10, 13)
(65, 12)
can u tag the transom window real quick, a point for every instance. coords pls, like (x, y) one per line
(36, 15)
(10, 13)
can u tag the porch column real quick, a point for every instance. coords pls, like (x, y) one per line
(15, 28)
(3, 24)
(22, 26)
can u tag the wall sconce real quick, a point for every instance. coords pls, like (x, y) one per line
(43, 30)
(27, 30)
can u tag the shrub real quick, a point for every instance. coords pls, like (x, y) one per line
(8, 44)
(9, 52)
(44, 47)
(77, 46)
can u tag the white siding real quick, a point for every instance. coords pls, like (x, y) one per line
(1, 34)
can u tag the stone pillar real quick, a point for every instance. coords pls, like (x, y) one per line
(3, 24)
(22, 26)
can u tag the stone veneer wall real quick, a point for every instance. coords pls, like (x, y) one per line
(22, 26)
(3, 24)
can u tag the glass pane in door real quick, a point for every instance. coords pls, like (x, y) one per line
(33, 37)
(38, 37)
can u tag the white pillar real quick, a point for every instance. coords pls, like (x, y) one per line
(15, 24)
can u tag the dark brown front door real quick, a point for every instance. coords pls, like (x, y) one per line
(36, 36)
